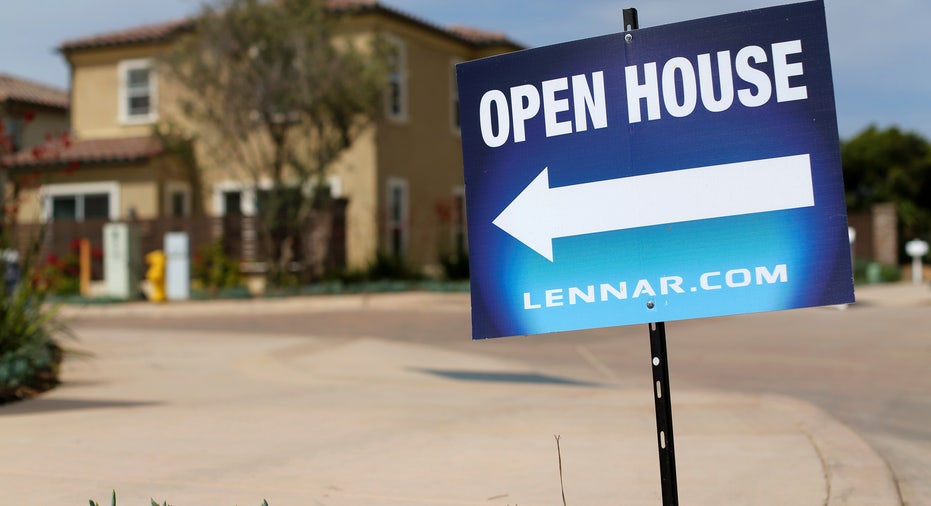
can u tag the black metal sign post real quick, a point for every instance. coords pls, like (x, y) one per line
(667, 449)
(662, 402)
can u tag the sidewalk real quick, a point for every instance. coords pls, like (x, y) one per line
(216, 419)
(894, 294)
(889, 294)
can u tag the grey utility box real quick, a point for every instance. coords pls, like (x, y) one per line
(122, 260)
(177, 266)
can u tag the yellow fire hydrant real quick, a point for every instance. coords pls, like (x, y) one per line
(156, 275)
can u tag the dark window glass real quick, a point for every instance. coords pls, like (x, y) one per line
(139, 92)
(232, 202)
(139, 78)
(396, 97)
(96, 206)
(396, 222)
(397, 196)
(397, 244)
(139, 106)
(177, 204)
(14, 128)
(64, 207)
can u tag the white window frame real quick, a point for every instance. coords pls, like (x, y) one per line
(246, 199)
(334, 183)
(402, 222)
(398, 75)
(174, 187)
(123, 69)
(336, 186)
(111, 188)
(248, 202)
(454, 98)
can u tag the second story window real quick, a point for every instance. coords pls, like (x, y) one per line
(396, 101)
(14, 128)
(138, 94)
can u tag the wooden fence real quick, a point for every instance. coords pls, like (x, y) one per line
(236, 233)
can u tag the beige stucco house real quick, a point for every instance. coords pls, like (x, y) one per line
(402, 178)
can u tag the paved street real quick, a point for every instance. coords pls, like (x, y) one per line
(825, 402)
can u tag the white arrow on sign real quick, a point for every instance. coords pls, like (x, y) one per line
(540, 213)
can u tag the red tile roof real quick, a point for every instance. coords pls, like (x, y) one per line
(64, 151)
(468, 35)
(165, 31)
(350, 5)
(31, 92)
(478, 36)
(140, 34)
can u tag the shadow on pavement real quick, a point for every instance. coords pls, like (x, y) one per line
(42, 405)
(505, 377)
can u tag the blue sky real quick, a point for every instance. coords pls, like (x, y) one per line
(879, 50)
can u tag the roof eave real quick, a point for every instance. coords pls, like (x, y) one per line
(172, 29)
(37, 103)
(377, 7)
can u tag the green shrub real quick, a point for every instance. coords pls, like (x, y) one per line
(213, 270)
(455, 266)
(29, 355)
(866, 271)
(387, 267)
(61, 275)
(384, 267)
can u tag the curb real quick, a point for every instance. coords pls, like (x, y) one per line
(415, 301)
(855, 474)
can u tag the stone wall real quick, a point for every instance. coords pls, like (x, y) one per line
(877, 234)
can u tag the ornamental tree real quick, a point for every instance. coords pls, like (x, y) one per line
(276, 96)
(890, 166)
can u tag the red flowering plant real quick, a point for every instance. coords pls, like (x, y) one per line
(61, 275)
(29, 354)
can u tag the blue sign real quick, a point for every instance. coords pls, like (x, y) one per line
(683, 171)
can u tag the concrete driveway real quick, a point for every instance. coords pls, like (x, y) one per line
(229, 417)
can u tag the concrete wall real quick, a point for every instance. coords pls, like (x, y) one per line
(877, 234)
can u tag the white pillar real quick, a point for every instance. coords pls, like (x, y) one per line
(122, 260)
(177, 266)
(916, 248)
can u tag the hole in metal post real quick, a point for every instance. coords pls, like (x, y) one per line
(662, 439)
(659, 390)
